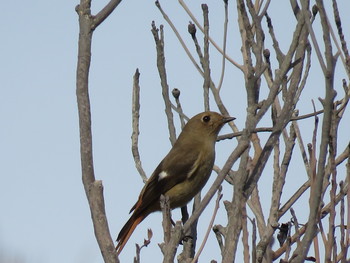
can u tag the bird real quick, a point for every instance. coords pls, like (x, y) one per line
(181, 174)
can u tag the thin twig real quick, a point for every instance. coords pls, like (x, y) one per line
(159, 40)
(104, 13)
(324, 212)
(306, 14)
(219, 233)
(253, 240)
(188, 11)
(302, 148)
(135, 126)
(165, 206)
(167, 19)
(206, 67)
(263, 12)
(279, 53)
(332, 166)
(345, 59)
(305, 75)
(294, 198)
(245, 236)
(216, 208)
(223, 64)
(347, 235)
(316, 192)
(296, 225)
(254, 204)
(176, 93)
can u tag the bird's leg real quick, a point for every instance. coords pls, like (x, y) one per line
(184, 214)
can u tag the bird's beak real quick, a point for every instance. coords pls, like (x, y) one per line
(228, 119)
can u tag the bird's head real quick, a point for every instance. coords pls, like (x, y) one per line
(206, 124)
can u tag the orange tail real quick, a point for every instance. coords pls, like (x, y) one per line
(126, 231)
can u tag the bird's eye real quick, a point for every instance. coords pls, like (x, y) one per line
(206, 118)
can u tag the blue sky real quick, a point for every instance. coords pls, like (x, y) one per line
(44, 212)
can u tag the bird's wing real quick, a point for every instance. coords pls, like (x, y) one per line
(174, 169)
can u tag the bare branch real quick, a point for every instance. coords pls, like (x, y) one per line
(105, 12)
(254, 204)
(280, 55)
(306, 14)
(219, 233)
(206, 67)
(245, 236)
(183, 4)
(346, 60)
(296, 225)
(253, 241)
(167, 19)
(324, 211)
(93, 188)
(165, 206)
(224, 48)
(176, 94)
(294, 198)
(163, 77)
(316, 189)
(135, 125)
(216, 208)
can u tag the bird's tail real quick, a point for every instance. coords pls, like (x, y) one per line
(127, 230)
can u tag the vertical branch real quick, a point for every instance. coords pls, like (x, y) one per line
(254, 204)
(171, 248)
(342, 38)
(253, 241)
(235, 211)
(316, 188)
(306, 14)
(347, 235)
(83, 100)
(343, 249)
(296, 225)
(135, 125)
(188, 11)
(247, 42)
(192, 30)
(301, 147)
(217, 204)
(206, 67)
(165, 206)
(224, 47)
(278, 51)
(245, 236)
(316, 249)
(163, 79)
(182, 42)
(93, 188)
(278, 183)
(332, 154)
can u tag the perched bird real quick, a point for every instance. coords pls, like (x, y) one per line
(182, 173)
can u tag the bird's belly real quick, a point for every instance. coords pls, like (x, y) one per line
(182, 193)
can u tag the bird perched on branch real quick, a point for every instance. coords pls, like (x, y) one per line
(182, 173)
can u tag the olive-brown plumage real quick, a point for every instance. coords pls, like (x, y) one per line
(182, 173)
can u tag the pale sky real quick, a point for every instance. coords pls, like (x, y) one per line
(44, 212)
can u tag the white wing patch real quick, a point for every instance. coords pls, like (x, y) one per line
(194, 167)
(162, 175)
